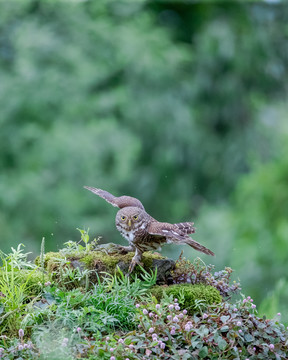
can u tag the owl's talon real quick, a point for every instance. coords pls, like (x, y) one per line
(132, 266)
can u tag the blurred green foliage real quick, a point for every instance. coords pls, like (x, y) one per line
(177, 104)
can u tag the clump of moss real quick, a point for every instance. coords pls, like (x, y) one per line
(188, 294)
(50, 258)
(111, 260)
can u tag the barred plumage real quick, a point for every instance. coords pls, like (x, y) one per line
(142, 231)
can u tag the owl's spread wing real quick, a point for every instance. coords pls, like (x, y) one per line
(179, 231)
(185, 228)
(120, 202)
(175, 235)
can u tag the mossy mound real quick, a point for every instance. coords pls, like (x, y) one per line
(189, 295)
(108, 259)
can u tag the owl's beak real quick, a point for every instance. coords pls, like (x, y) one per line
(129, 223)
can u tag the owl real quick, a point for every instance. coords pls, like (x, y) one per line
(142, 231)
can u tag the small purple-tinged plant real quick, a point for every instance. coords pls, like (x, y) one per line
(65, 342)
(187, 327)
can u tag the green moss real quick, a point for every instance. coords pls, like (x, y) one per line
(50, 258)
(96, 259)
(111, 260)
(189, 293)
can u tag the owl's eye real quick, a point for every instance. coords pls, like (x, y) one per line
(123, 217)
(135, 217)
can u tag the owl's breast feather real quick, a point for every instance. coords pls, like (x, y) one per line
(128, 235)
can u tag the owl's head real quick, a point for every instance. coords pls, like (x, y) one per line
(130, 217)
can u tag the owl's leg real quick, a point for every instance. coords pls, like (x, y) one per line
(136, 260)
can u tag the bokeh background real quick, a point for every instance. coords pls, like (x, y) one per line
(182, 105)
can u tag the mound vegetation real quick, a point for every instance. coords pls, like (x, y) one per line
(65, 306)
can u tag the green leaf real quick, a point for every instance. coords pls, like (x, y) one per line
(224, 319)
(224, 328)
(222, 344)
(202, 331)
(186, 356)
(194, 343)
(203, 352)
(248, 337)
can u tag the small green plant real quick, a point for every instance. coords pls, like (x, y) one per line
(42, 259)
(73, 277)
(16, 259)
(14, 292)
(74, 247)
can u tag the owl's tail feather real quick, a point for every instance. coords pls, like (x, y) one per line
(197, 246)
